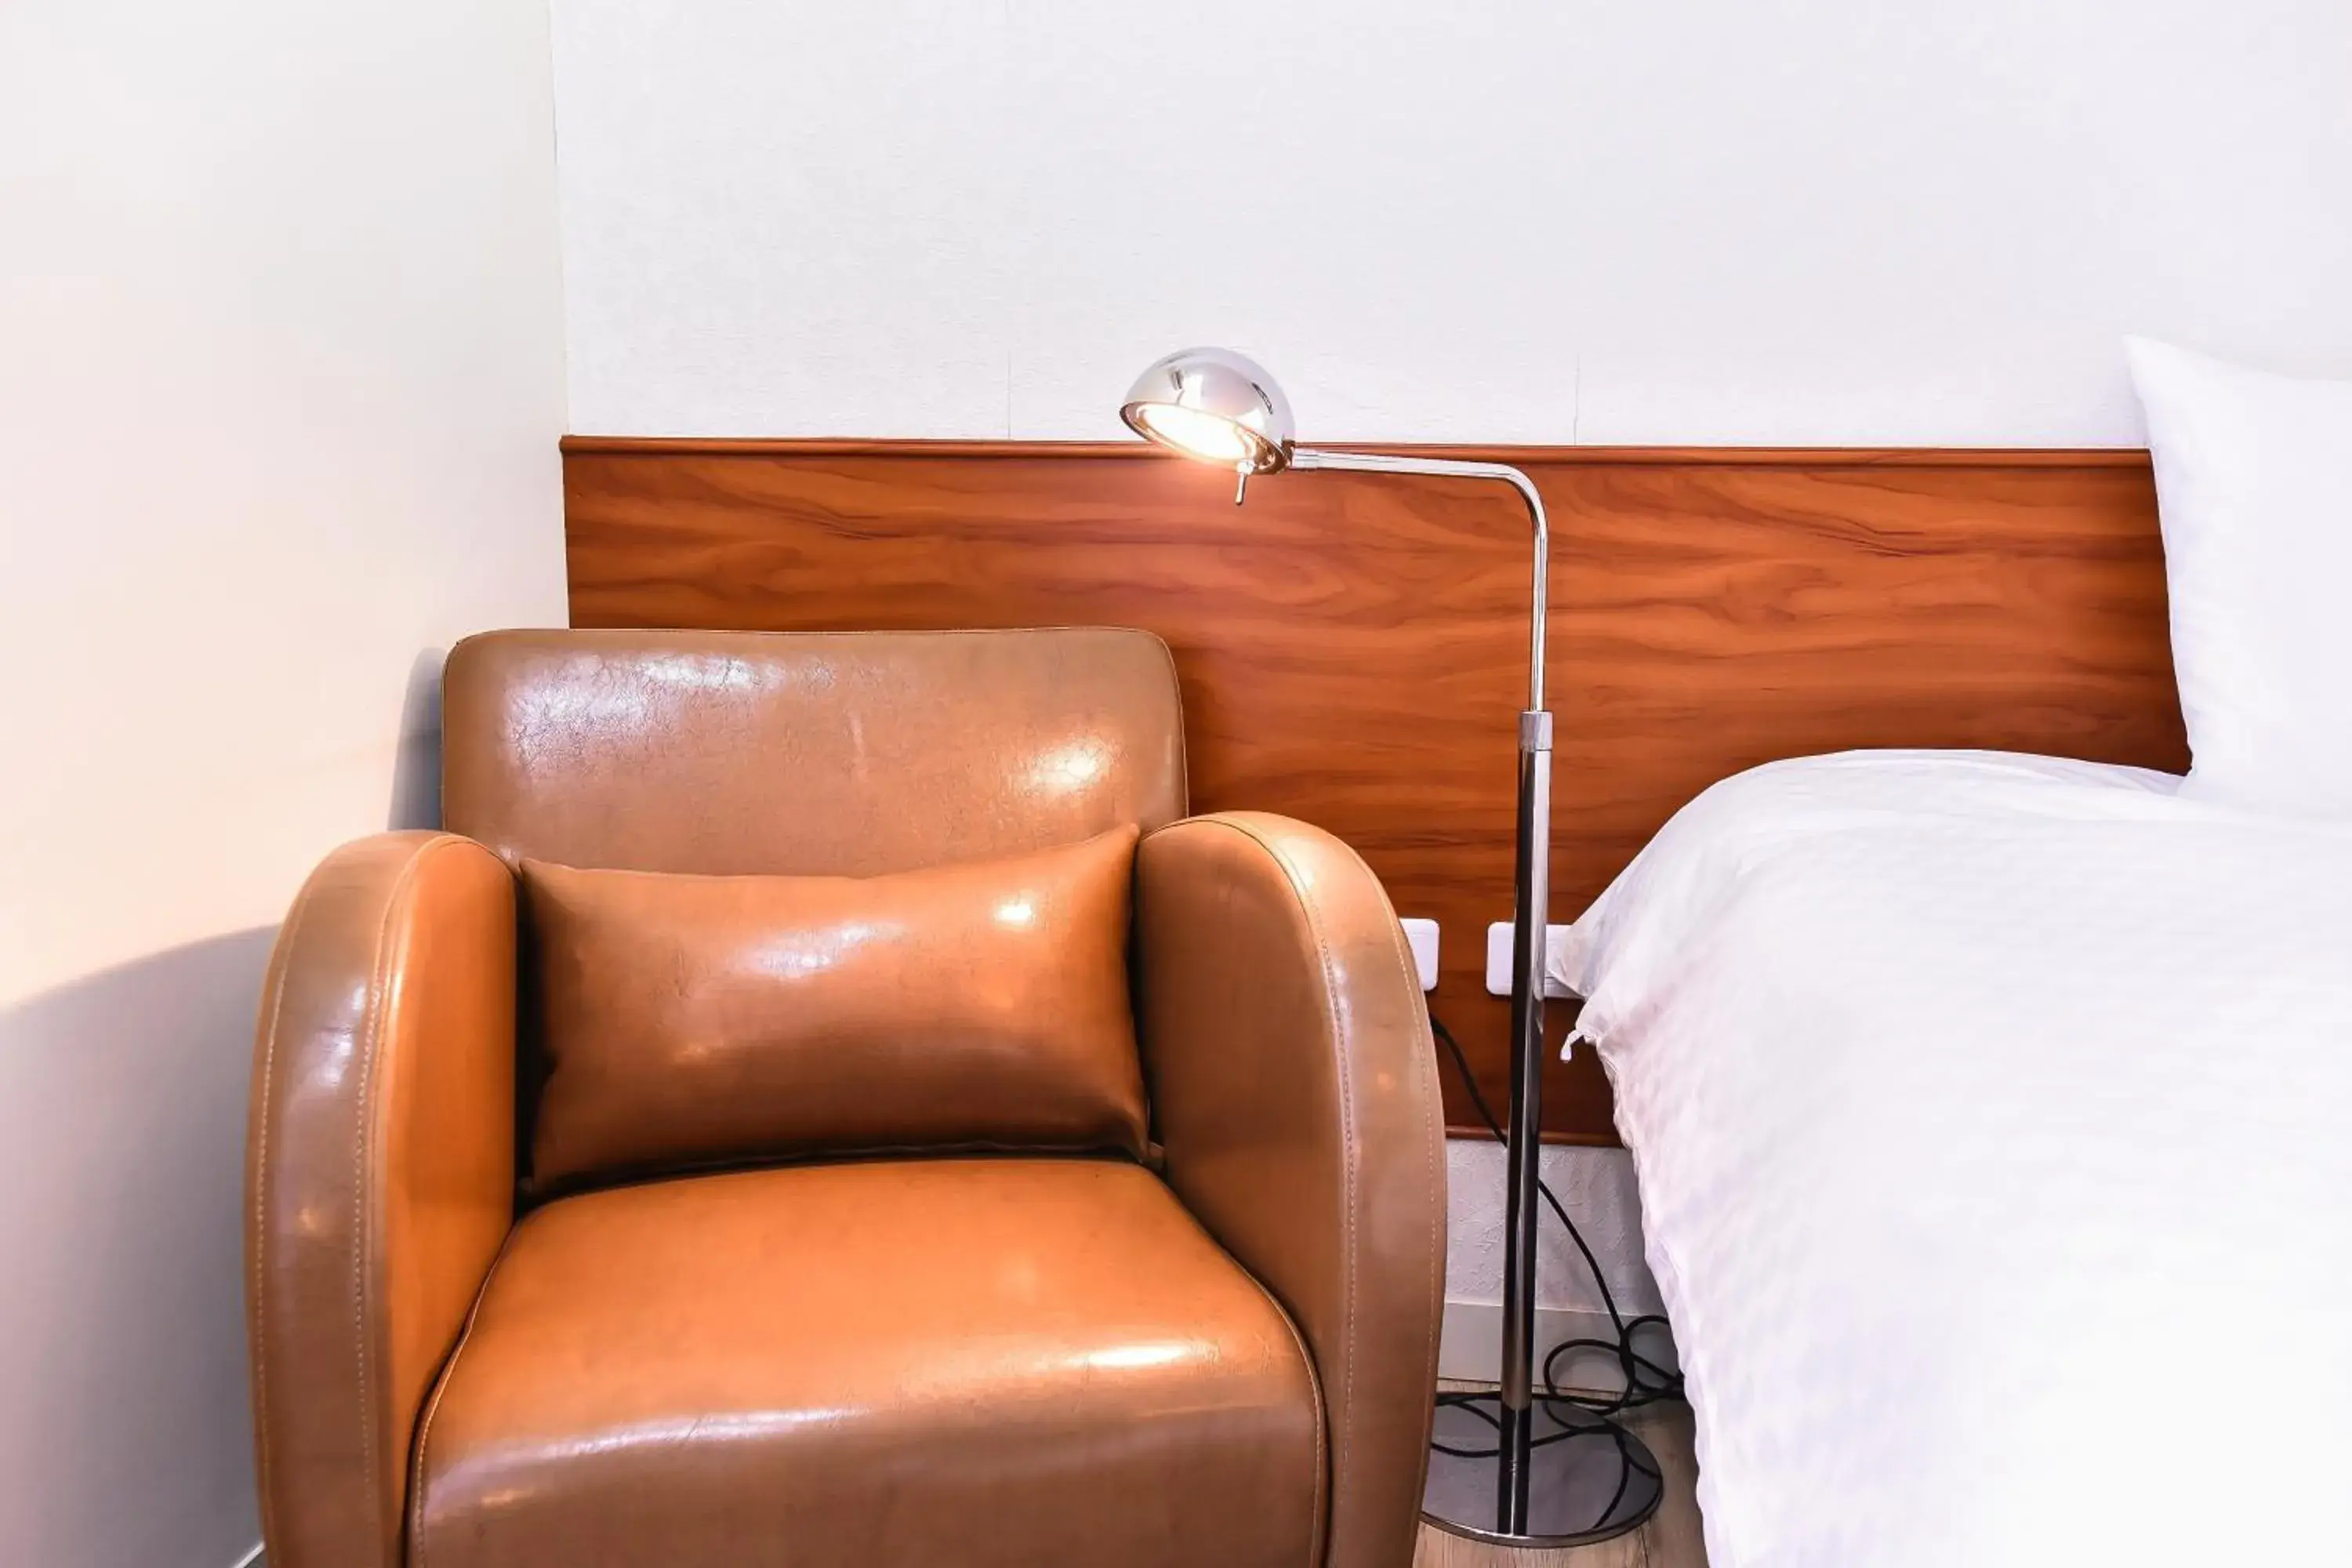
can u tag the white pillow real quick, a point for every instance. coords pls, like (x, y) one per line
(2253, 477)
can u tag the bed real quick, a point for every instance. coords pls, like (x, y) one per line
(1993, 1122)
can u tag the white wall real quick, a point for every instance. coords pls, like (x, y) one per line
(1712, 221)
(281, 384)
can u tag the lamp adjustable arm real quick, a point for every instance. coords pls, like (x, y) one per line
(1302, 458)
(1219, 407)
(1532, 903)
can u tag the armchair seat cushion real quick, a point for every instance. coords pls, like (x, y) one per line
(979, 1360)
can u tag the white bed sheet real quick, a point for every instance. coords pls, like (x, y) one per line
(1993, 1122)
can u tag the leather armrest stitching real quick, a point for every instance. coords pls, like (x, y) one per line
(257, 1263)
(1433, 1157)
(365, 1242)
(1342, 1442)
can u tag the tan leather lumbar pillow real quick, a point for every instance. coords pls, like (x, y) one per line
(699, 1020)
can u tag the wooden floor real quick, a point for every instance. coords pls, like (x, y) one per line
(1670, 1540)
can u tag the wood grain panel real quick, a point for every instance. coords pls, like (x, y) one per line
(1351, 647)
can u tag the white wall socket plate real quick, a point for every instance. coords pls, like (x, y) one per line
(1423, 935)
(1498, 960)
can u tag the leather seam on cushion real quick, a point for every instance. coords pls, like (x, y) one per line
(415, 1513)
(263, 1465)
(1315, 1386)
(1343, 1444)
(555, 1188)
(1317, 1538)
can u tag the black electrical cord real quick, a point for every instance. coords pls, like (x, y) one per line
(1646, 1381)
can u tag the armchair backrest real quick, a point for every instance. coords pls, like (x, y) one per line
(815, 753)
(674, 1020)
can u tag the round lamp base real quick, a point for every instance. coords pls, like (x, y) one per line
(1587, 1481)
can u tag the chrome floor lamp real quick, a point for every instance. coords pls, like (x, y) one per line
(1517, 1467)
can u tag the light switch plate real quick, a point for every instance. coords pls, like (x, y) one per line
(1498, 960)
(1423, 935)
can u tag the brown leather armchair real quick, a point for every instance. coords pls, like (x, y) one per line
(1217, 1352)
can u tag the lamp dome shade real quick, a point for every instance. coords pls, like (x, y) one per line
(1215, 406)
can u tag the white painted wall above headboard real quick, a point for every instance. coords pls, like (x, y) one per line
(1701, 221)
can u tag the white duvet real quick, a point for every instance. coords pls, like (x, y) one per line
(1993, 1120)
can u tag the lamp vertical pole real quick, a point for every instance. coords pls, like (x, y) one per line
(1524, 1144)
(1530, 917)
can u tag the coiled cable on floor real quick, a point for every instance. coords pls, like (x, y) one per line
(1646, 1381)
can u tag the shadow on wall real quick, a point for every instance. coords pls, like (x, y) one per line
(125, 1435)
(417, 771)
(122, 1116)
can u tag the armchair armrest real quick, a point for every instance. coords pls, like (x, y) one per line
(1295, 1099)
(379, 1175)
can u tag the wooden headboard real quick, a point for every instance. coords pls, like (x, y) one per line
(1351, 647)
